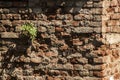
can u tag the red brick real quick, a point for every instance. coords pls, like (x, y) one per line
(64, 47)
(75, 23)
(117, 76)
(115, 53)
(65, 34)
(115, 29)
(50, 54)
(115, 16)
(77, 42)
(59, 29)
(114, 3)
(117, 9)
(109, 10)
(113, 23)
(99, 73)
(100, 60)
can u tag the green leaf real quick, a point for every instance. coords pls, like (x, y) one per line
(29, 30)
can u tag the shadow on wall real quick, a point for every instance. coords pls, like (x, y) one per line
(65, 6)
(15, 58)
(51, 7)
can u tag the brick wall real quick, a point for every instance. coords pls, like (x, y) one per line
(111, 33)
(76, 40)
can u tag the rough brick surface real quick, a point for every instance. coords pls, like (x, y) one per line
(76, 40)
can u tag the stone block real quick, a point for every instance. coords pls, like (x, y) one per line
(82, 60)
(97, 30)
(115, 16)
(84, 73)
(42, 29)
(100, 67)
(78, 67)
(97, 18)
(96, 24)
(19, 22)
(114, 3)
(75, 55)
(28, 78)
(92, 78)
(88, 4)
(75, 23)
(59, 29)
(77, 42)
(18, 28)
(113, 23)
(3, 17)
(99, 73)
(9, 35)
(27, 72)
(112, 38)
(97, 4)
(6, 10)
(68, 66)
(9, 16)
(88, 67)
(101, 60)
(83, 30)
(78, 78)
(115, 29)
(97, 11)
(79, 17)
(16, 16)
(81, 3)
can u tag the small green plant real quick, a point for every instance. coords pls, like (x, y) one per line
(29, 30)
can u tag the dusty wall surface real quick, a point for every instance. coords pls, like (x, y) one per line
(74, 40)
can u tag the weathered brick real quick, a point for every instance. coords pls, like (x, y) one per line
(83, 30)
(82, 60)
(99, 73)
(77, 42)
(101, 60)
(92, 78)
(113, 23)
(83, 17)
(114, 3)
(98, 4)
(89, 4)
(96, 11)
(115, 16)
(78, 67)
(9, 35)
(96, 24)
(84, 73)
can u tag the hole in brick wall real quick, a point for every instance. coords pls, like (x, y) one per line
(13, 78)
(7, 27)
(48, 41)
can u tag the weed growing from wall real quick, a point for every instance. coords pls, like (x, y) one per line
(29, 30)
